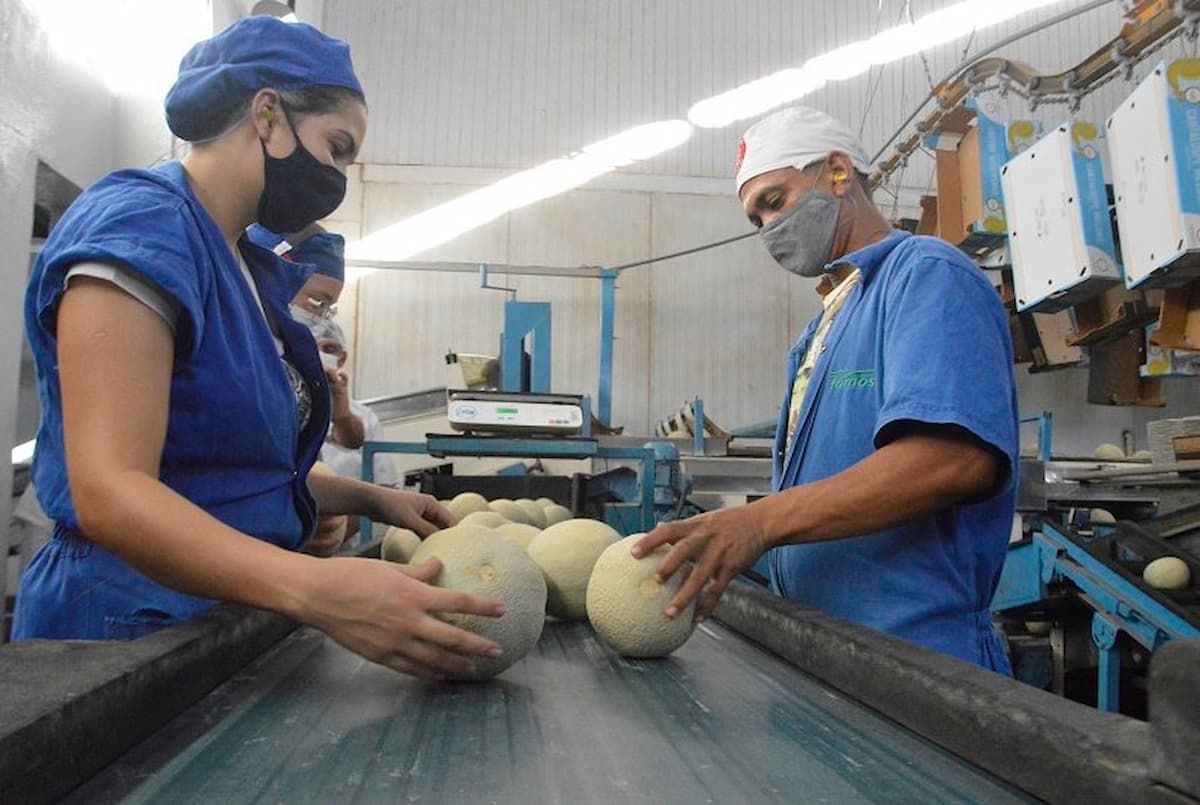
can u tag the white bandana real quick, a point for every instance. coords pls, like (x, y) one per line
(794, 138)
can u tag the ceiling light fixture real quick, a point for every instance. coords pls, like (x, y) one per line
(447, 221)
(936, 28)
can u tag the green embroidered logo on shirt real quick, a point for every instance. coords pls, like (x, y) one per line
(854, 379)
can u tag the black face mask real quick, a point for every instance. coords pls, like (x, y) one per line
(298, 190)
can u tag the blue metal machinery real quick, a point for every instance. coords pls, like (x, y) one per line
(639, 516)
(525, 320)
(1045, 422)
(671, 483)
(1051, 558)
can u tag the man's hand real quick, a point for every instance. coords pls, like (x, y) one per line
(720, 545)
(339, 392)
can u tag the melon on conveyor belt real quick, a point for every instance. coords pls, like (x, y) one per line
(488, 519)
(399, 544)
(625, 603)
(1167, 573)
(518, 533)
(481, 562)
(467, 502)
(535, 513)
(566, 553)
(1108, 452)
(509, 510)
(556, 514)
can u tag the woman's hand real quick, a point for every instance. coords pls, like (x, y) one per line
(330, 534)
(420, 513)
(389, 614)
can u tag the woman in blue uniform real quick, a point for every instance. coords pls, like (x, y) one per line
(182, 406)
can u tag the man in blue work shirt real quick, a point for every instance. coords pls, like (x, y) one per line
(895, 459)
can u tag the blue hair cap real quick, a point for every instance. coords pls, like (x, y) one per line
(219, 74)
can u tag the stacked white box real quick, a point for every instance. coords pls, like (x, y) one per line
(1154, 147)
(1059, 233)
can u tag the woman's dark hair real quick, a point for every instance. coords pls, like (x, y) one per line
(319, 100)
(315, 100)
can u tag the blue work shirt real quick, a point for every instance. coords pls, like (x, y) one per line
(924, 338)
(233, 444)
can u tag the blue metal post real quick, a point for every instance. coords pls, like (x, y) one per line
(1045, 432)
(368, 475)
(1108, 692)
(1045, 424)
(698, 427)
(522, 319)
(608, 289)
(648, 476)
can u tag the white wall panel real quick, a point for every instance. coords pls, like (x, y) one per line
(488, 84)
(720, 324)
(408, 319)
(597, 228)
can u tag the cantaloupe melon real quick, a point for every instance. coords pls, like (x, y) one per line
(544, 502)
(556, 514)
(625, 603)
(488, 519)
(481, 562)
(1142, 455)
(509, 510)
(399, 544)
(467, 502)
(535, 513)
(1167, 573)
(1108, 452)
(1101, 517)
(566, 553)
(518, 533)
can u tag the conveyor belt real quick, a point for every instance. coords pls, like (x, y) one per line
(720, 721)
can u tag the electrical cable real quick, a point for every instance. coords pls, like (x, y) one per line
(1005, 42)
(685, 252)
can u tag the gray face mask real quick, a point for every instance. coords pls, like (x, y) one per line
(801, 240)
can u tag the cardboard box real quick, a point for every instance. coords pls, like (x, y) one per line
(971, 144)
(1179, 318)
(1059, 234)
(1046, 335)
(1154, 145)
(1113, 376)
(1167, 362)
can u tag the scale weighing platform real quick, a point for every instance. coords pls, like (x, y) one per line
(515, 412)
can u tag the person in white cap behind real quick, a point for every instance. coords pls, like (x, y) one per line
(896, 446)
